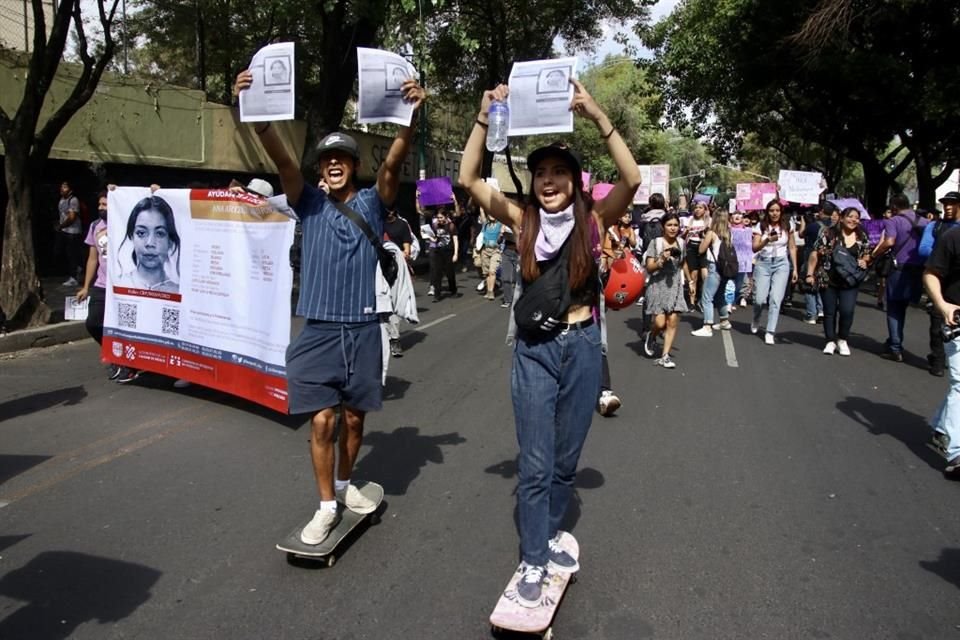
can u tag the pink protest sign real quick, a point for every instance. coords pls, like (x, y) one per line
(434, 191)
(753, 196)
(601, 189)
(585, 179)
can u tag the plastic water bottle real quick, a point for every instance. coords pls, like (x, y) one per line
(499, 120)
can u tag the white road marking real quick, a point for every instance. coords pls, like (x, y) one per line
(421, 327)
(728, 350)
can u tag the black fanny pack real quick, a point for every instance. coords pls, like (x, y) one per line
(545, 300)
(388, 264)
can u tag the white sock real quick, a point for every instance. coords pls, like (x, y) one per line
(341, 485)
(328, 505)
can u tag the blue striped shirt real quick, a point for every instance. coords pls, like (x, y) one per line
(338, 272)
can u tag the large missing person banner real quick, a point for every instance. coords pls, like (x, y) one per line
(199, 285)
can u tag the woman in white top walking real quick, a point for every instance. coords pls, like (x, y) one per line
(715, 284)
(776, 252)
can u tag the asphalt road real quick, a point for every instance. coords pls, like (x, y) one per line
(791, 496)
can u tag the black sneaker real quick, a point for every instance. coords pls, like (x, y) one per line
(893, 356)
(939, 441)
(114, 372)
(559, 560)
(127, 374)
(937, 370)
(952, 470)
(649, 344)
(530, 585)
(395, 349)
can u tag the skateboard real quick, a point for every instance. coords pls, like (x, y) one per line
(323, 552)
(510, 615)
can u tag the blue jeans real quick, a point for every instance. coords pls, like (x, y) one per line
(947, 418)
(713, 295)
(814, 304)
(770, 279)
(554, 383)
(904, 285)
(738, 283)
(838, 308)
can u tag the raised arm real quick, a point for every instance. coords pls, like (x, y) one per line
(484, 196)
(621, 196)
(388, 177)
(289, 169)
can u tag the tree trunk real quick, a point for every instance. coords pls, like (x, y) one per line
(876, 186)
(926, 190)
(20, 293)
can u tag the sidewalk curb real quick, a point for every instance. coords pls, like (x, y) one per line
(46, 336)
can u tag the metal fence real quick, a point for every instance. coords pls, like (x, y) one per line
(16, 22)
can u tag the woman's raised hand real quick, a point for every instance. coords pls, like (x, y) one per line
(500, 93)
(243, 81)
(583, 103)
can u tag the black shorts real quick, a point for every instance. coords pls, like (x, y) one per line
(695, 259)
(333, 363)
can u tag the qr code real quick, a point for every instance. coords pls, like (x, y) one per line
(127, 315)
(170, 321)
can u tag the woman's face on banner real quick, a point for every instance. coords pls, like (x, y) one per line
(151, 240)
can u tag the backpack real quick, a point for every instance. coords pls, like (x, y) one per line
(650, 231)
(541, 306)
(728, 264)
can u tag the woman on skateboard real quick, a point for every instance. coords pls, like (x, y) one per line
(555, 379)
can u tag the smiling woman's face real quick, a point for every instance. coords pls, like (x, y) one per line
(151, 240)
(553, 184)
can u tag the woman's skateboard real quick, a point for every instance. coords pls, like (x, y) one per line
(510, 615)
(323, 552)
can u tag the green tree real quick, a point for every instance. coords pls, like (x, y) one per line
(731, 67)
(27, 141)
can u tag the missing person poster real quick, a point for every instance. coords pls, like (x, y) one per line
(199, 286)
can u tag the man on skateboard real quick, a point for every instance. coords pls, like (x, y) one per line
(335, 362)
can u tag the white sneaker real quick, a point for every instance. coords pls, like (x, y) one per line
(754, 327)
(430, 291)
(703, 332)
(725, 325)
(482, 285)
(70, 282)
(608, 403)
(352, 499)
(320, 527)
(768, 338)
(843, 348)
(831, 348)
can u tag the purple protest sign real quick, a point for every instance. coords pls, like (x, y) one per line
(434, 191)
(743, 242)
(754, 196)
(846, 203)
(702, 197)
(874, 229)
(600, 190)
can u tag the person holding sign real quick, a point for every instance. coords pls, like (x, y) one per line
(555, 379)
(776, 252)
(336, 362)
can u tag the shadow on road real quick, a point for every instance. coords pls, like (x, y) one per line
(8, 541)
(395, 458)
(947, 566)
(587, 478)
(13, 465)
(40, 401)
(395, 388)
(412, 337)
(889, 419)
(63, 590)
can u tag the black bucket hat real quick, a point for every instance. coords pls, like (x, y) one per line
(557, 150)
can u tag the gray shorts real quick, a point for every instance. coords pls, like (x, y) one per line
(333, 363)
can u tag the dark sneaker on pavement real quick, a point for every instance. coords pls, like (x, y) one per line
(649, 344)
(559, 560)
(530, 585)
(127, 374)
(114, 372)
(893, 356)
(939, 441)
(395, 349)
(320, 527)
(952, 470)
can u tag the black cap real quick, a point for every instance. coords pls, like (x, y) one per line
(951, 196)
(337, 141)
(556, 150)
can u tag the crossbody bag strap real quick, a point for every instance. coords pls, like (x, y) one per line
(358, 220)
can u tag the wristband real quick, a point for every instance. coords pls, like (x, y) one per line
(612, 129)
(482, 124)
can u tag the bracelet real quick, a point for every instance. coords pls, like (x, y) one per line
(262, 131)
(482, 124)
(612, 129)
